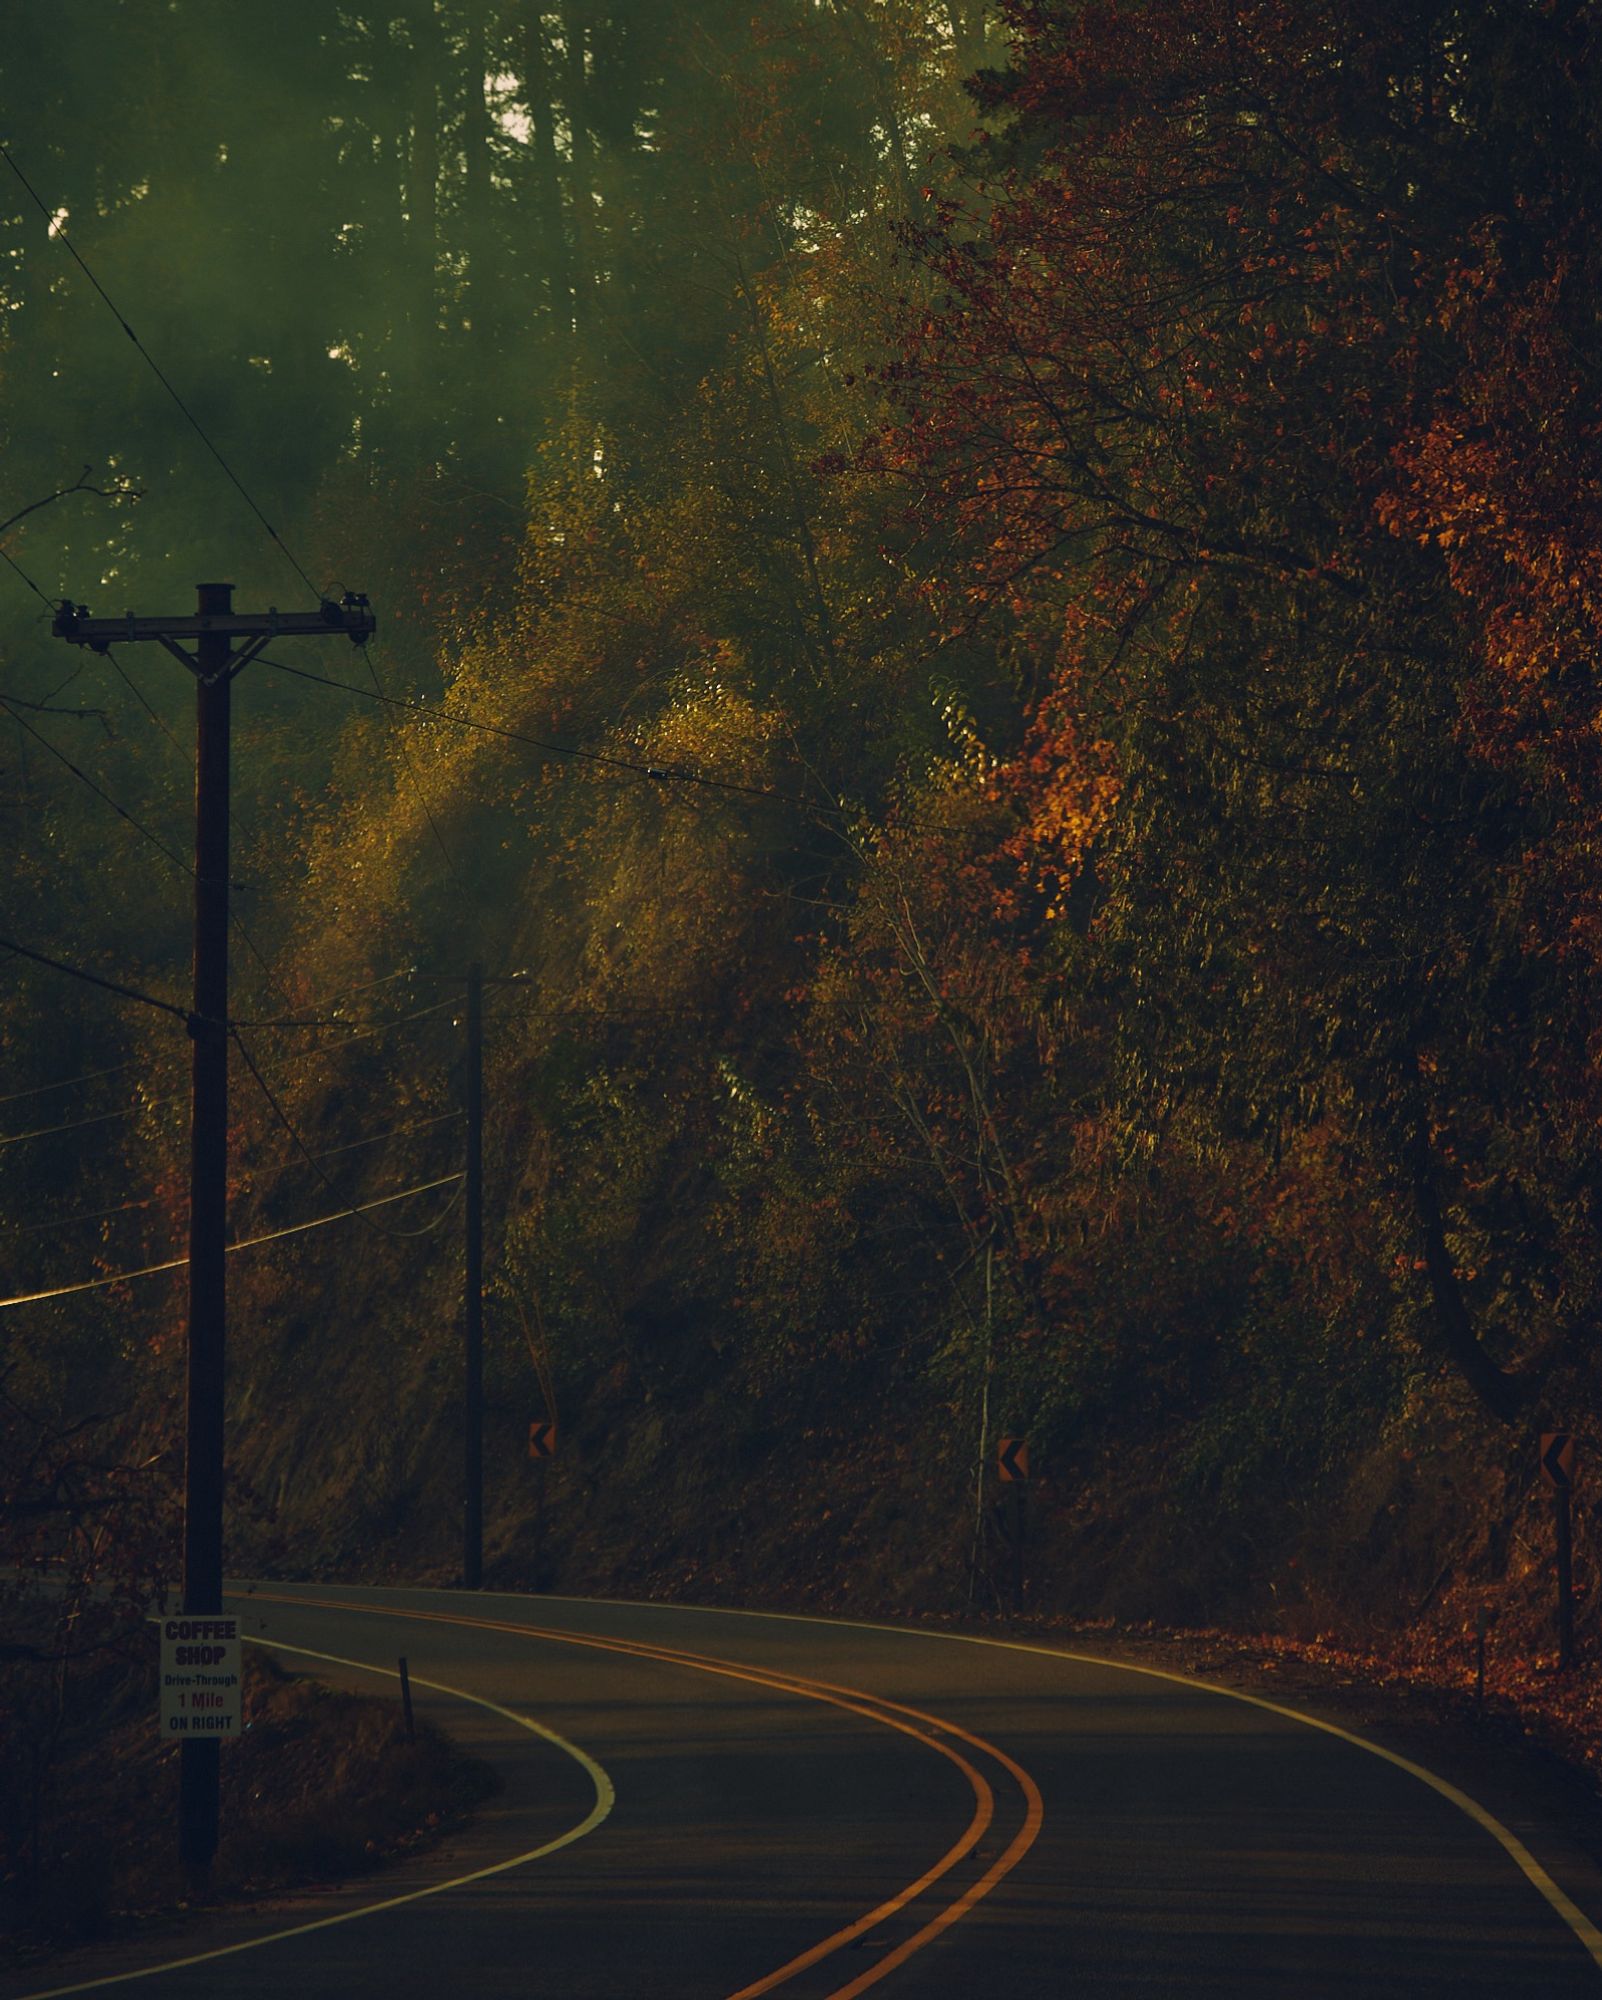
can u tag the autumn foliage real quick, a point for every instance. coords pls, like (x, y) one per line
(1257, 389)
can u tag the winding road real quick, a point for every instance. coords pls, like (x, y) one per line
(716, 1805)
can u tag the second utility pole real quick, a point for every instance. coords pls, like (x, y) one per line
(473, 1287)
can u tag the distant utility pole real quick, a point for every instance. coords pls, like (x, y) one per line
(473, 1287)
(473, 1275)
(215, 660)
(1557, 1469)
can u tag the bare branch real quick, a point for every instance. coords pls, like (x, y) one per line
(121, 491)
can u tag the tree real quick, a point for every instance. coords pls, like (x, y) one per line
(1164, 396)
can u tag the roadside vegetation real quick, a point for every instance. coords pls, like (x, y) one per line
(321, 1787)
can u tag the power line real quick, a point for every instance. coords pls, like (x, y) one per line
(364, 1028)
(354, 1145)
(93, 979)
(345, 993)
(28, 580)
(99, 791)
(256, 952)
(139, 827)
(284, 1119)
(83, 1215)
(96, 1118)
(193, 421)
(660, 773)
(364, 1031)
(249, 829)
(183, 1014)
(139, 696)
(47, 707)
(247, 1243)
(66, 1082)
(254, 1174)
(411, 767)
(367, 985)
(131, 1110)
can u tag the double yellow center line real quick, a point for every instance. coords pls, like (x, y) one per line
(932, 1731)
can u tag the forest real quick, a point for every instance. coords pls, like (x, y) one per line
(988, 625)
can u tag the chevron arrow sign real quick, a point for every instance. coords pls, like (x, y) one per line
(1557, 1459)
(541, 1438)
(1012, 1459)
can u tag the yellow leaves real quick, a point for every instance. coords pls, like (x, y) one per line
(713, 728)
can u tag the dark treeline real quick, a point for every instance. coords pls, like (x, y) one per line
(1093, 509)
(407, 239)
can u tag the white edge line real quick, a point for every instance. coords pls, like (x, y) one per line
(1564, 1905)
(605, 1799)
(1578, 1922)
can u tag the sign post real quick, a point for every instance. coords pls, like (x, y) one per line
(1012, 1469)
(541, 1448)
(1557, 1469)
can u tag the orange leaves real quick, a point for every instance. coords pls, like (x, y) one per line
(1503, 481)
(1068, 795)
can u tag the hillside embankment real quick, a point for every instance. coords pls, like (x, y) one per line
(321, 1786)
(1414, 1574)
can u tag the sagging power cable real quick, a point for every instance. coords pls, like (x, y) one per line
(175, 860)
(363, 1031)
(412, 771)
(310, 1159)
(67, 1082)
(95, 1118)
(53, 226)
(12, 563)
(658, 773)
(99, 791)
(247, 1243)
(253, 1174)
(93, 979)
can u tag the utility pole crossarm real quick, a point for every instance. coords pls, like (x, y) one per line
(352, 616)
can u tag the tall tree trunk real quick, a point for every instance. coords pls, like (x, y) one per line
(478, 215)
(870, 39)
(576, 24)
(386, 294)
(422, 373)
(552, 264)
(970, 31)
(820, 642)
(1506, 1396)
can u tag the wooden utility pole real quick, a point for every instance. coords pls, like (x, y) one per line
(473, 1271)
(216, 659)
(473, 1301)
(200, 1765)
(1565, 1576)
(1557, 1469)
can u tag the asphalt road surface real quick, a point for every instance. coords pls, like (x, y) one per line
(700, 1805)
